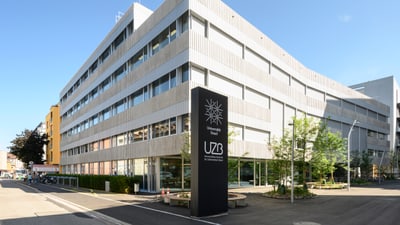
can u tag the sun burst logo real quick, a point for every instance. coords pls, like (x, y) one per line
(213, 112)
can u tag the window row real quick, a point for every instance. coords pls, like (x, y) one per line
(160, 41)
(163, 84)
(159, 129)
(106, 53)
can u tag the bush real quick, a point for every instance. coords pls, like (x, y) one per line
(118, 184)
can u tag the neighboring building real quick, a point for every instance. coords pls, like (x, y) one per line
(14, 165)
(3, 162)
(53, 136)
(127, 110)
(386, 90)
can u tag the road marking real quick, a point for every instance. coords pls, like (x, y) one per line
(160, 211)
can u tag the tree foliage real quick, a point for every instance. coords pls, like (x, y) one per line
(28, 146)
(282, 153)
(329, 149)
(306, 129)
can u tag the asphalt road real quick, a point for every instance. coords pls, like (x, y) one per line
(374, 204)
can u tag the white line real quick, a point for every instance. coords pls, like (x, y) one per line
(174, 214)
(160, 211)
(116, 221)
(78, 208)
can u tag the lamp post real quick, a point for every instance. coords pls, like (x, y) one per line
(292, 165)
(348, 154)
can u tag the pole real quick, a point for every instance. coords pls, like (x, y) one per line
(292, 166)
(348, 155)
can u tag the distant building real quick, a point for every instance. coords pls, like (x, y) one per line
(386, 90)
(3, 162)
(126, 111)
(53, 135)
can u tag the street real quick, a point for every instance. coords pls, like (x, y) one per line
(53, 204)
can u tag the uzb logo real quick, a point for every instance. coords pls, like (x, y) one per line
(213, 148)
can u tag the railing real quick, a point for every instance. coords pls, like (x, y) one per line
(70, 181)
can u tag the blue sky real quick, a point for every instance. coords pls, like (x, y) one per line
(44, 42)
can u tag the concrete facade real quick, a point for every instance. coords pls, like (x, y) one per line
(127, 110)
(386, 90)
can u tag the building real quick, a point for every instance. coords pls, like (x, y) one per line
(127, 109)
(3, 162)
(53, 134)
(386, 90)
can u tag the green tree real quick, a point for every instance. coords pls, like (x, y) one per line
(365, 165)
(306, 130)
(28, 146)
(282, 153)
(329, 149)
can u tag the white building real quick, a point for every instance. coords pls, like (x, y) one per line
(127, 109)
(386, 90)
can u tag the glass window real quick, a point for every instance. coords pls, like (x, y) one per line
(129, 28)
(121, 139)
(172, 31)
(171, 172)
(120, 106)
(185, 123)
(172, 79)
(105, 54)
(138, 58)
(185, 72)
(137, 97)
(138, 134)
(106, 114)
(119, 73)
(93, 67)
(119, 39)
(184, 21)
(172, 125)
(95, 120)
(106, 84)
(93, 93)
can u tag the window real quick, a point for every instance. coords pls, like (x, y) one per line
(137, 97)
(106, 84)
(119, 39)
(120, 106)
(161, 85)
(184, 22)
(93, 93)
(172, 125)
(185, 72)
(185, 123)
(138, 58)
(119, 73)
(106, 114)
(160, 129)
(93, 67)
(105, 54)
(172, 31)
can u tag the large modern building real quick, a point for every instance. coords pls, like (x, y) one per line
(127, 109)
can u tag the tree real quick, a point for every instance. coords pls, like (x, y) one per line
(365, 165)
(306, 129)
(28, 146)
(329, 149)
(280, 164)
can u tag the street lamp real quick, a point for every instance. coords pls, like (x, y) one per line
(348, 154)
(292, 165)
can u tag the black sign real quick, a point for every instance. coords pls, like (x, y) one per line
(209, 153)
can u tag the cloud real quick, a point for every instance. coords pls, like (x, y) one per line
(344, 18)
